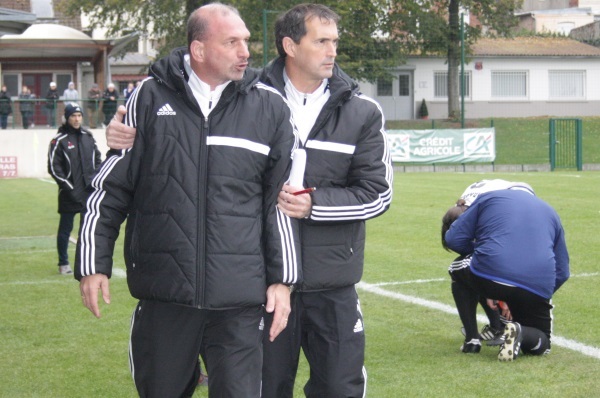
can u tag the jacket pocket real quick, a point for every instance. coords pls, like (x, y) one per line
(131, 252)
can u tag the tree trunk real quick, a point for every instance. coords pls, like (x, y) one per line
(453, 61)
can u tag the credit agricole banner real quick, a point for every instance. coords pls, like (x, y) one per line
(443, 145)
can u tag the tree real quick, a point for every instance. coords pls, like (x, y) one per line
(366, 51)
(433, 27)
(164, 19)
(375, 35)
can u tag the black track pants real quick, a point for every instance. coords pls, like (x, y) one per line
(328, 326)
(167, 339)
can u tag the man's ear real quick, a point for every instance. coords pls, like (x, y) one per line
(289, 46)
(197, 51)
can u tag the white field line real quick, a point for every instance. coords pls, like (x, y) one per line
(417, 281)
(411, 282)
(556, 340)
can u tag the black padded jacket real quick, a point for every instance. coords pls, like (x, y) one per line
(199, 194)
(349, 163)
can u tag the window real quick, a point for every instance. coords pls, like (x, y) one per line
(509, 84)
(384, 87)
(567, 84)
(403, 85)
(440, 84)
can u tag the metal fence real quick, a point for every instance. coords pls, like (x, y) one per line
(566, 144)
(40, 113)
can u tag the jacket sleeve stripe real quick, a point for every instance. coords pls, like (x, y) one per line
(367, 210)
(130, 116)
(288, 248)
(92, 215)
(387, 156)
(52, 157)
(238, 143)
(87, 237)
(361, 212)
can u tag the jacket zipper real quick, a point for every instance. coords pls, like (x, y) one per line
(202, 186)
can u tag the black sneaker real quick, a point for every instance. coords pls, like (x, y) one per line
(491, 336)
(471, 347)
(509, 350)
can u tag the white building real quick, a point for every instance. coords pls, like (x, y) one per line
(520, 77)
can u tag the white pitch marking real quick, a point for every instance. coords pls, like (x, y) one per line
(556, 340)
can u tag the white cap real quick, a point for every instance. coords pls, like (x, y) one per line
(52, 84)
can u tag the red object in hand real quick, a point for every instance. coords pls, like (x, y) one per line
(307, 190)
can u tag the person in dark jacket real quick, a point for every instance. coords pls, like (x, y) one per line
(206, 248)
(129, 90)
(515, 246)
(348, 162)
(73, 158)
(109, 102)
(93, 101)
(5, 107)
(52, 97)
(26, 106)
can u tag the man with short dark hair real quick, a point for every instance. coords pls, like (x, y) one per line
(348, 162)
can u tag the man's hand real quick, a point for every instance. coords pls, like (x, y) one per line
(295, 206)
(119, 135)
(501, 307)
(89, 287)
(278, 300)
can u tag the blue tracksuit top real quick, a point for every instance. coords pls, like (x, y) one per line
(516, 238)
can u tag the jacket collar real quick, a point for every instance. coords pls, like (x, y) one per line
(170, 72)
(341, 86)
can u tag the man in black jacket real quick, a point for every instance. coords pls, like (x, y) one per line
(349, 164)
(73, 159)
(205, 245)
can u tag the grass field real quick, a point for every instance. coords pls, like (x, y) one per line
(53, 347)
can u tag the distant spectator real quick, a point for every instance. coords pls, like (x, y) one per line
(128, 91)
(50, 109)
(109, 106)
(5, 107)
(73, 158)
(26, 106)
(93, 103)
(70, 93)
